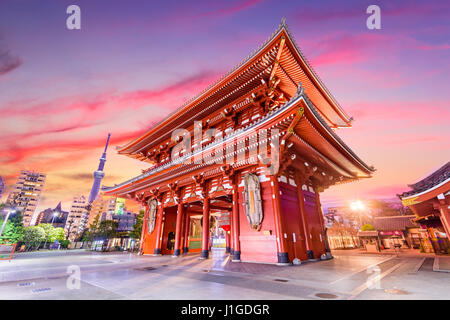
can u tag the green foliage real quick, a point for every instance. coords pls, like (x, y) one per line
(137, 228)
(367, 227)
(64, 243)
(56, 234)
(33, 236)
(47, 227)
(14, 230)
(91, 233)
(87, 236)
(95, 224)
(107, 229)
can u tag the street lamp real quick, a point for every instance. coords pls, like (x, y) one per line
(358, 206)
(9, 211)
(55, 214)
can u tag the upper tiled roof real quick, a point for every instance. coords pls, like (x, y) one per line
(203, 98)
(394, 223)
(434, 179)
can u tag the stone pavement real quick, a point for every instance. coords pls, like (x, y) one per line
(350, 275)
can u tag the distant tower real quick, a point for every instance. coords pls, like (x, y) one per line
(2, 187)
(99, 174)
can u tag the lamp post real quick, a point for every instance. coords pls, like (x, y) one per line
(358, 206)
(9, 211)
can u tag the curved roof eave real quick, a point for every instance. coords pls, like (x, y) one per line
(282, 27)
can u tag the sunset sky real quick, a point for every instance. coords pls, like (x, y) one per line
(133, 62)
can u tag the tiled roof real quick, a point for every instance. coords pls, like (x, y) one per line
(437, 177)
(394, 223)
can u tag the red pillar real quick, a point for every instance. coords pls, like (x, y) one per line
(445, 218)
(180, 215)
(231, 234)
(235, 223)
(205, 230)
(322, 223)
(159, 229)
(227, 241)
(144, 229)
(187, 222)
(301, 200)
(282, 253)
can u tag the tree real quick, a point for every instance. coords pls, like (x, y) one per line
(89, 234)
(14, 230)
(95, 224)
(367, 227)
(56, 234)
(47, 227)
(384, 209)
(137, 228)
(69, 228)
(107, 229)
(33, 236)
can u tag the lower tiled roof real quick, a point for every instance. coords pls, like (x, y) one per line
(394, 223)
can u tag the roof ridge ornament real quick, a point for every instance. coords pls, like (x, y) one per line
(300, 89)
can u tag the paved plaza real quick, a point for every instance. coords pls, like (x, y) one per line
(44, 275)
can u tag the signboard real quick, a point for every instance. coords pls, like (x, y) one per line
(391, 233)
(409, 202)
(120, 204)
(7, 251)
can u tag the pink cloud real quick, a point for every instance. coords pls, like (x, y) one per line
(60, 127)
(227, 11)
(405, 9)
(410, 112)
(387, 191)
(171, 96)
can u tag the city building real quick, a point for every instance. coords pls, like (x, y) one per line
(263, 147)
(74, 222)
(26, 193)
(103, 207)
(125, 221)
(57, 217)
(106, 207)
(429, 200)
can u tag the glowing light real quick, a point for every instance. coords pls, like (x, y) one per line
(357, 205)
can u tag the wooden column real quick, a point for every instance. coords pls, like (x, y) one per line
(187, 222)
(301, 201)
(205, 230)
(180, 216)
(227, 242)
(235, 223)
(231, 234)
(282, 253)
(159, 229)
(445, 218)
(322, 223)
(144, 229)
